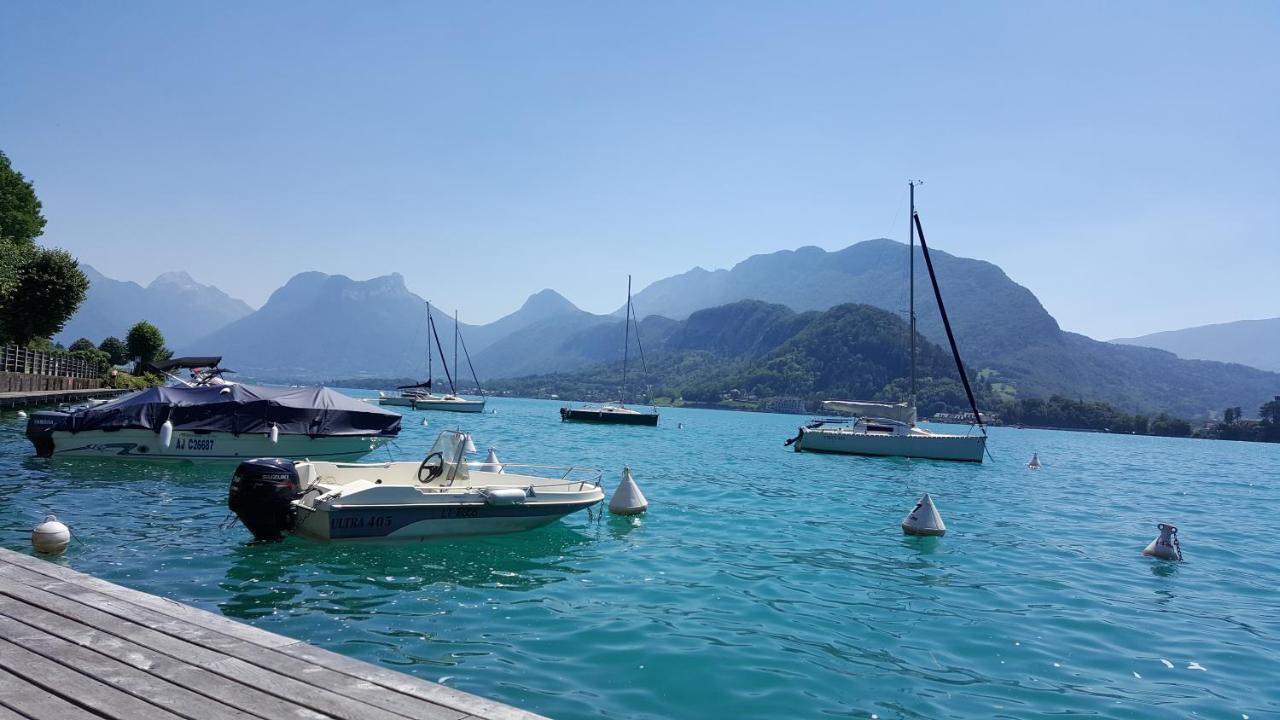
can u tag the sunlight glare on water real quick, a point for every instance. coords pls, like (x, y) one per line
(761, 583)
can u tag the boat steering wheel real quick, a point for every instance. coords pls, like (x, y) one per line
(432, 465)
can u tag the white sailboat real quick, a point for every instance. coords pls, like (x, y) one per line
(889, 429)
(420, 395)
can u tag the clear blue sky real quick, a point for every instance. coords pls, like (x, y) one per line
(1122, 160)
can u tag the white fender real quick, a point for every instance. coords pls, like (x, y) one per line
(627, 499)
(924, 519)
(1166, 546)
(275, 433)
(166, 433)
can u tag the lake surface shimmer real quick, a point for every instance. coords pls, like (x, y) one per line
(762, 583)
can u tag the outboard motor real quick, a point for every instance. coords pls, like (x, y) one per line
(262, 495)
(40, 430)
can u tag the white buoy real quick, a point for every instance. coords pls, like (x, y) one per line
(275, 433)
(50, 536)
(1035, 461)
(1165, 547)
(166, 433)
(490, 463)
(627, 499)
(22, 413)
(424, 422)
(924, 519)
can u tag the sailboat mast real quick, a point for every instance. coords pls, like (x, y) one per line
(455, 344)
(626, 345)
(429, 324)
(911, 264)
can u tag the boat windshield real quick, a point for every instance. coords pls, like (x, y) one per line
(452, 446)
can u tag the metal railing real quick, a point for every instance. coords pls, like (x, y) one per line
(17, 359)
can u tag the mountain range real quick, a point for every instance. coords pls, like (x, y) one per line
(320, 327)
(1248, 342)
(182, 308)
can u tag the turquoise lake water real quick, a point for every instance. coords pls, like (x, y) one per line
(762, 583)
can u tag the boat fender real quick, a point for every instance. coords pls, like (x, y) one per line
(924, 519)
(1166, 546)
(1035, 461)
(166, 433)
(50, 536)
(275, 433)
(505, 496)
(627, 499)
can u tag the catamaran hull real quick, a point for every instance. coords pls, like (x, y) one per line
(608, 418)
(138, 444)
(462, 406)
(961, 448)
(425, 522)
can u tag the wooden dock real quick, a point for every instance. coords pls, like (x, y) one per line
(74, 647)
(53, 397)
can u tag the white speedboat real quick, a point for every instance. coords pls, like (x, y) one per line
(889, 429)
(227, 422)
(441, 496)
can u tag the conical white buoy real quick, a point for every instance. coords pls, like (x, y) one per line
(166, 433)
(275, 433)
(924, 519)
(1165, 547)
(490, 463)
(469, 446)
(50, 536)
(425, 423)
(1035, 461)
(22, 413)
(627, 499)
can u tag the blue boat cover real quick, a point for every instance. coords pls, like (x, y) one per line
(239, 408)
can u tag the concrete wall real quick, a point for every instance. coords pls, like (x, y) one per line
(22, 382)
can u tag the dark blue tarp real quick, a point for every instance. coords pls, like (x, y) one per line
(237, 408)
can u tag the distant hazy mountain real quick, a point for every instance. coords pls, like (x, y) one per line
(182, 308)
(320, 326)
(1248, 342)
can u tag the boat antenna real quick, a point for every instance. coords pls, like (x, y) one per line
(626, 346)
(911, 302)
(440, 349)
(946, 323)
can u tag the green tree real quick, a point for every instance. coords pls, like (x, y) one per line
(115, 348)
(20, 218)
(49, 289)
(1230, 415)
(145, 343)
(82, 344)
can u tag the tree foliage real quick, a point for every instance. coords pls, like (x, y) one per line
(20, 218)
(115, 348)
(48, 290)
(82, 344)
(145, 343)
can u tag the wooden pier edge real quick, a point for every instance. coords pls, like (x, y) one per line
(75, 646)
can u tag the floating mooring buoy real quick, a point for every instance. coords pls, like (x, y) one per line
(1166, 546)
(50, 536)
(22, 413)
(490, 463)
(627, 499)
(924, 519)
(1035, 461)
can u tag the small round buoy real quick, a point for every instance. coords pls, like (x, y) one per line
(1166, 546)
(924, 519)
(679, 426)
(50, 536)
(22, 413)
(1035, 461)
(627, 499)
(275, 433)
(490, 463)
(166, 433)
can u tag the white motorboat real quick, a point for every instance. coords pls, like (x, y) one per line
(889, 429)
(216, 422)
(441, 496)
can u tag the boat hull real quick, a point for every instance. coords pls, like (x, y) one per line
(462, 406)
(138, 444)
(426, 522)
(607, 418)
(397, 401)
(960, 448)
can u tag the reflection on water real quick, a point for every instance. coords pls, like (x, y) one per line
(761, 584)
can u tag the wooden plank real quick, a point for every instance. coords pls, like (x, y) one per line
(311, 686)
(77, 687)
(138, 683)
(26, 700)
(464, 703)
(230, 692)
